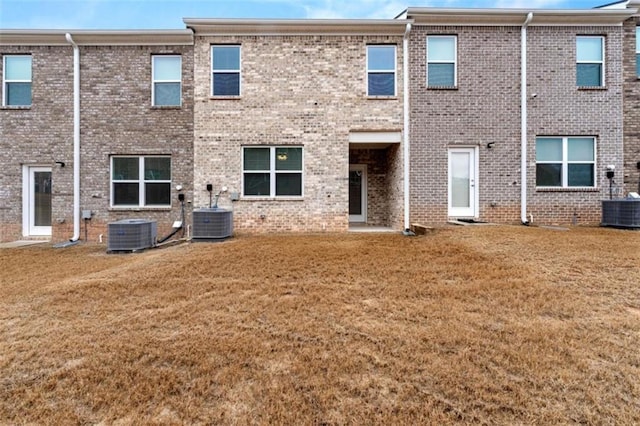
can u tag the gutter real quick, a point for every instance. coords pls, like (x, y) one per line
(523, 119)
(76, 138)
(405, 84)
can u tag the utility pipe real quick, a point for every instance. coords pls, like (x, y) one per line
(76, 138)
(405, 84)
(523, 119)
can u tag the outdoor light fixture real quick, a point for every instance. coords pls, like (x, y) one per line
(60, 163)
(610, 174)
(490, 145)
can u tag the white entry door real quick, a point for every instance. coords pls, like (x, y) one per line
(463, 178)
(37, 201)
(357, 193)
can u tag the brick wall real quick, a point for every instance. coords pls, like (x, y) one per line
(302, 90)
(631, 108)
(116, 118)
(485, 107)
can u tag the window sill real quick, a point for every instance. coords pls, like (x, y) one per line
(592, 88)
(260, 198)
(382, 98)
(567, 189)
(139, 209)
(15, 107)
(227, 98)
(163, 107)
(442, 87)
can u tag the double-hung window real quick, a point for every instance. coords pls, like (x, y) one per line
(16, 80)
(167, 80)
(565, 162)
(590, 61)
(638, 51)
(138, 181)
(225, 70)
(441, 61)
(272, 171)
(381, 70)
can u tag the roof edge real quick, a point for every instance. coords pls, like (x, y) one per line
(96, 37)
(204, 27)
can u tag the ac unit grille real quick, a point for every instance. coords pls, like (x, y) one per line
(131, 234)
(621, 213)
(212, 224)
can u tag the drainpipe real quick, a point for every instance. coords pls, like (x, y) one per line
(405, 84)
(523, 120)
(76, 138)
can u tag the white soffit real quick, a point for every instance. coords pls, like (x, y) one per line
(375, 137)
(96, 37)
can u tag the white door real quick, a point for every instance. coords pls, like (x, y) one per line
(357, 193)
(37, 201)
(463, 194)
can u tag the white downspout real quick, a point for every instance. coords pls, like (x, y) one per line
(76, 138)
(405, 84)
(523, 120)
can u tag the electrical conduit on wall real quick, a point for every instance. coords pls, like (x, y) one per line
(76, 138)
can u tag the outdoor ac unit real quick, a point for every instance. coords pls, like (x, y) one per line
(621, 213)
(212, 224)
(131, 234)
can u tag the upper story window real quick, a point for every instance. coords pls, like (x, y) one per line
(225, 70)
(565, 162)
(638, 51)
(138, 181)
(441, 61)
(272, 171)
(381, 70)
(167, 80)
(16, 80)
(590, 61)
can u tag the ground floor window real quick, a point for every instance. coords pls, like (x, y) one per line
(565, 162)
(272, 171)
(138, 181)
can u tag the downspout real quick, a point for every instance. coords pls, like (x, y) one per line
(523, 119)
(405, 84)
(76, 138)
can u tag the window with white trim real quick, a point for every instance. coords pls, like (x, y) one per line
(381, 70)
(272, 171)
(225, 70)
(638, 51)
(441, 61)
(16, 80)
(138, 181)
(167, 80)
(590, 61)
(565, 162)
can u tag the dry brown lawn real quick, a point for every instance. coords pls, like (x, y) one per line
(479, 325)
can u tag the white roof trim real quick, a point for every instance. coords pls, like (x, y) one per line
(515, 17)
(375, 137)
(96, 37)
(301, 27)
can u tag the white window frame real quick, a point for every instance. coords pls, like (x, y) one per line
(387, 71)
(565, 161)
(273, 172)
(638, 52)
(238, 71)
(454, 62)
(141, 181)
(601, 62)
(6, 81)
(154, 81)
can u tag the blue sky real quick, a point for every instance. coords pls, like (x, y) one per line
(168, 14)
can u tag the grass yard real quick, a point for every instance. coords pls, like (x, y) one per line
(478, 325)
